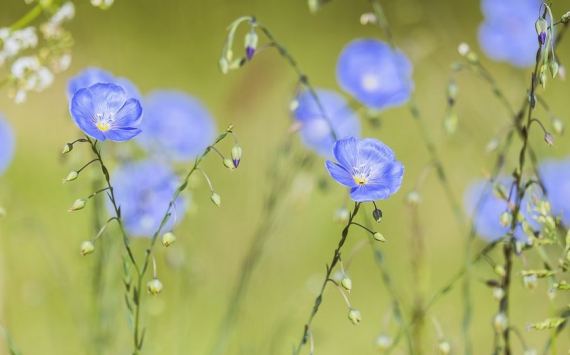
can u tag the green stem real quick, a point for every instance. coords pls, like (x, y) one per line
(27, 18)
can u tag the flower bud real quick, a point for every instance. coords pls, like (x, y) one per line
(236, 155)
(228, 163)
(498, 293)
(250, 44)
(557, 126)
(553, 67)
(506, 218)
(472, 58)
(341, 215)
(224, 65)
(543, 78)
(314, 6)
(377, 215)
(78, 205)
(368, 17)
(500, 270)
(463, 49)
(168, 239)
(154, 287)
(346, 283)
(530, 282)
(216, 199)
(68, 147)
(413, 198)
(452, 90)
(492, 146)
(384, 342)
(444, 347)
(71, 176)
(450, 120)
(379, 237)
(565, 17)
(541, 27)
(87, 248)
(549, 139)
(237, 63)
(500, 322)
(354, 316)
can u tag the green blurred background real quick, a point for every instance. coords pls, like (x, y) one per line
(46, 287)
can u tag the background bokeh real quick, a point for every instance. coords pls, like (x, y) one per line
(46, 287)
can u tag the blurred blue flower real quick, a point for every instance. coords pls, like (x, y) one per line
(92, 75)
(7, 144)
(375, 75)
(508, 32)
(176, 126)
(315, 130)
(486, 208)
(555, 175)
(143, 190)
(104, 111)
(368, 167)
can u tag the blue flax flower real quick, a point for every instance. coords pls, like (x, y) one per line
(555, 175)
(486, 208)
(92, 75)
(375, 75)
(316, 130)
(7, 144)
(176, 126)
(508, 32)
(143, 190)
(104, 111)
(368, 167)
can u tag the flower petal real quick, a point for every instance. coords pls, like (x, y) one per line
(83, 113)
(365, 193)
(388, 176)
(122, 134)
(129, 115)
(345, 151)
(107, 98)
(340, 174)
(373, 151)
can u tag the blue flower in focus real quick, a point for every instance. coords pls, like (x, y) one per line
(316, 130)
(7, 144)
(177, 126)
(508, 32)
(486, 208)
(375, 75)
(555, 175)
(104, 111)
(92, 75)
(143, 190)
(368, 167)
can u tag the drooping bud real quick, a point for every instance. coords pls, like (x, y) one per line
(68, 147)
(341, 215)
(444, 347)
(354, 316)
(78, 205)
(530, 282)
(541, 27)
(71, 176)
(379, 237)
(377, 215)
(236, 155)
(543, 78)
(450, 120)
(216, 199)
(168, 239)
(384, 342)
(557, 125)
(87, 248)
(250, 44)
(500, 322)
(548, 139)
(346, 283)
(506, 218)
(565, 17)
(500, 270)
(498, 293)
(413, 198)
(224, 65)
(154, 287)
(228, 163)
(553, 67)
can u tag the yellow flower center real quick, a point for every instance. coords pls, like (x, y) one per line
(103, 126)
(361, 174)
(360, 180)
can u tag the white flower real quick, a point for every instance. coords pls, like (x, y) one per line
(463, 49)
(20, 96)
(66, 12)
(102, 3)
(24, 65)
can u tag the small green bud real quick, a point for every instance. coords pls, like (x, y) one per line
(250, 44)
(341, 215)
(314, 6)
(452, 90)
(236, 155)
(565, 17)
(354, 316)
(530, 282)
(444, 347)
(368, 17)
(224, 65)
(377, 215)
(500, 270)
(68, 147)
(216, 199)
(472, 57)
(168, 239)
(541, 27)
(71, 176)
(498, 293)
(228, 163)
(78, 205)
(549, 139)
(506, 218)
(87, 248)
(553, 66)
(154, 287)
(557, 126)
(543, 78)
(384, 342)
(500, 322)
(237, 63)
(346, 283)
(450, 120)
(379, 237)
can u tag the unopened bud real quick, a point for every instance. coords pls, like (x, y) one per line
(379, 237)
(500, 270)
(250, 44)
(236, 155)
(530, 282)
(500, 322)
(541, 27)
(543, 78)
(368, 17)
(68, 147)
(384, 342)
(354, 316)
(237, 63)
(549, 139)
(557, 126)
(168, 239)
(314, 5)
(87, 248)
(228, 163)
(498, 293)
(506, 218)
(413, 198)
(224, 65)
(377, 215)
(452, 90)
(341, 215)
(565, 17)
(216, 199)
(346, 283)
(78, 205)
(450, 120)
(71, 176)
(492, 146)
(444, 347)
(553, 66)
(472, 58)
(154, 287)
(463, 49)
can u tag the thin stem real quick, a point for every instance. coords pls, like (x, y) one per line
(27, 18)
(207, 179)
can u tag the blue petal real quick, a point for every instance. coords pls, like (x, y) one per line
(345, 151)
(388, 176)
(83, 113)
(86, 78)
(7, 144)
(365, 193)
(373, 151)
(555, 175)
(122, 134)
(107, 98)
(340, 174)
(129, 115)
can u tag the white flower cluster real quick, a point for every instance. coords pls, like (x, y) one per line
(30, 74)
(102, 4)
(16, 41)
